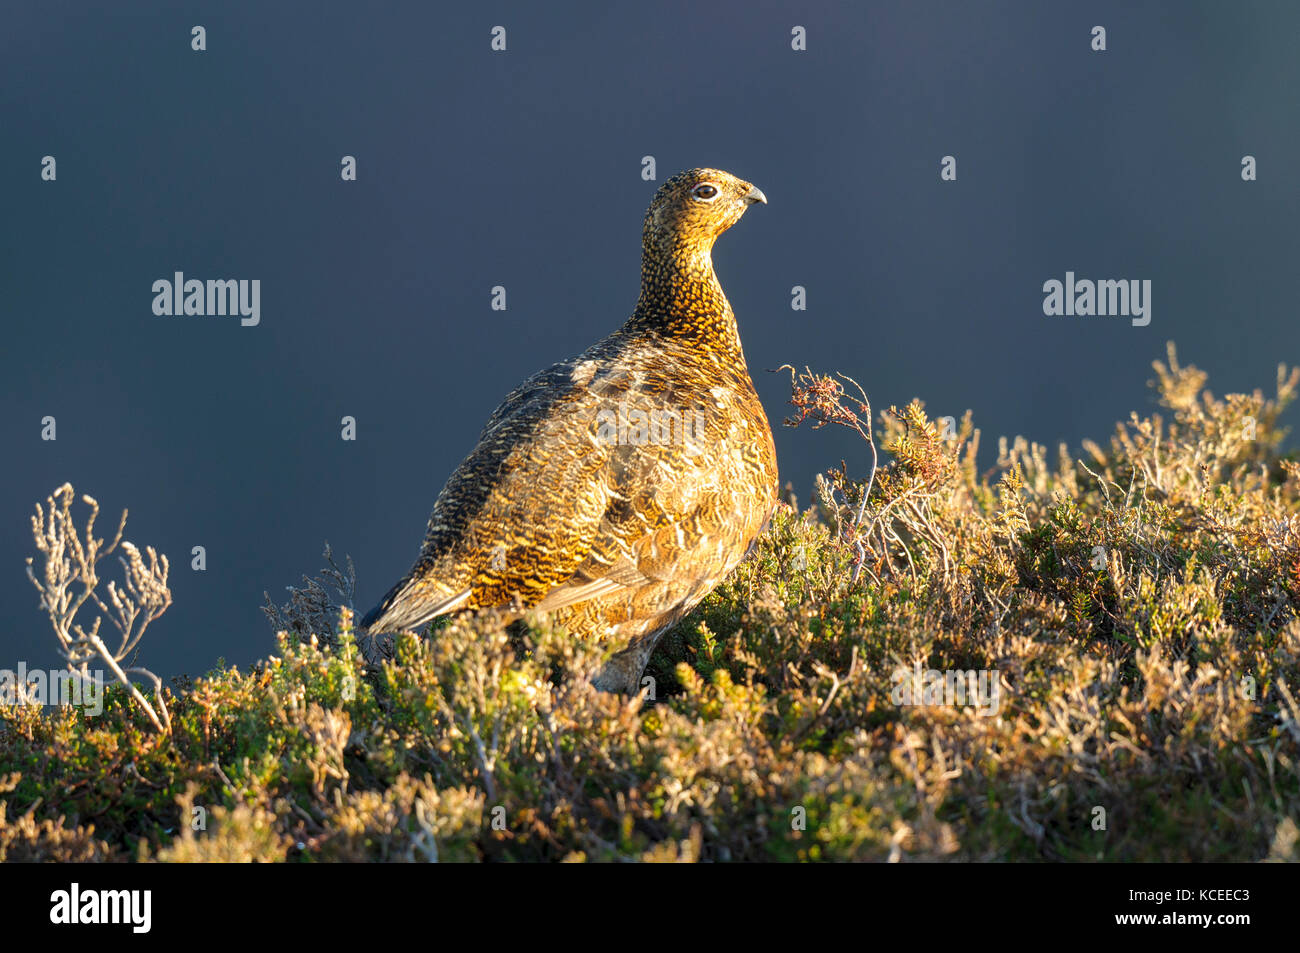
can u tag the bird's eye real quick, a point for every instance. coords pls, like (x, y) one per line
(705, 192)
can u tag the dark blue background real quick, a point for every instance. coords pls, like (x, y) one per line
(523, 169)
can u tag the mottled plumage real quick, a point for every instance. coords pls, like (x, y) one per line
(586, 497)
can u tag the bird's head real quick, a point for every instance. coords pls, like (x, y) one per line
(693, 208)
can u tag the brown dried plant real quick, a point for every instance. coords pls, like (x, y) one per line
(312, 610)
(71, 561)
(822, 398)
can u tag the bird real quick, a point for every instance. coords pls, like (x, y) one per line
(616, 489)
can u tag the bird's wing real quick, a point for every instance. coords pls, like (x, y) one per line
(521, 513)
(668, 504)
(653, 544)
(546, 511)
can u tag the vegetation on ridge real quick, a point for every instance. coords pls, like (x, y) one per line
(1125, 629)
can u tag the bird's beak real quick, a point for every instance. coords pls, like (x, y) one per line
(755, 194)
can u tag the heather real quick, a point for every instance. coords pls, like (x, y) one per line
(1119, 622)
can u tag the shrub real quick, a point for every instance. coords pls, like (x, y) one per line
(1133, 617)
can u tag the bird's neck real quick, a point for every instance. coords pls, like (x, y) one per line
(681, 299)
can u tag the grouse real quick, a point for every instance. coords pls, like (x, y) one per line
(616, 489)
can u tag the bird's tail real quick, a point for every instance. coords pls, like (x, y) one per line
(412, 604)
